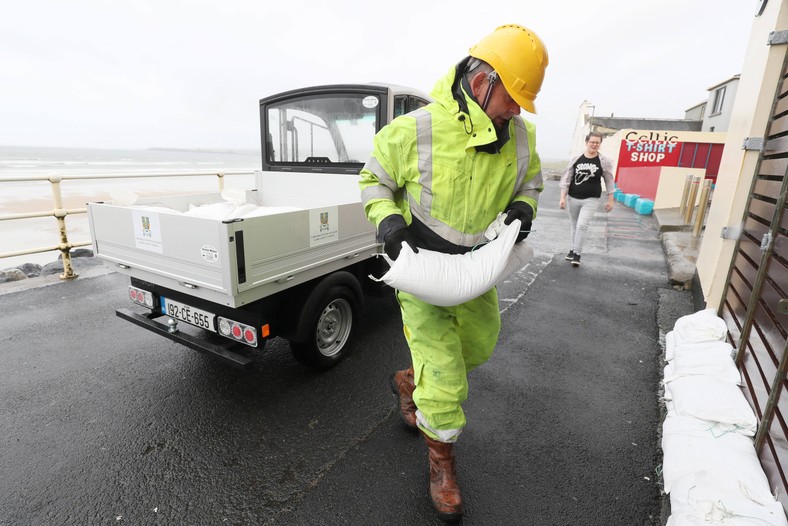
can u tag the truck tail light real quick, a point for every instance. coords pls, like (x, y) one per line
(238, 331)
(141, 297)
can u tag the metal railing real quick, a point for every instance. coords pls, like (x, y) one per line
(60, 213)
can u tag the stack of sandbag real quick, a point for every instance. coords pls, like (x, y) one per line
(223, 210)
(232, 206)
(710, 468)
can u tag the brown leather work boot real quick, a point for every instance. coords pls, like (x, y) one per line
(444, 490)
(402, 385)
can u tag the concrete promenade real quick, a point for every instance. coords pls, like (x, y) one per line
(104, 423)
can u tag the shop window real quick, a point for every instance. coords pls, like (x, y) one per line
(701, 155)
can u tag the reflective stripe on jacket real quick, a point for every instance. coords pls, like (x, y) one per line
(425, 164)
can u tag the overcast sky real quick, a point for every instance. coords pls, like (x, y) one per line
(190, 73)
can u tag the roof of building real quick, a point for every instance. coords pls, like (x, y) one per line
(626, 123)
(717, 85)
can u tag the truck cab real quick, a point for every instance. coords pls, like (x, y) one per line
(329, 128)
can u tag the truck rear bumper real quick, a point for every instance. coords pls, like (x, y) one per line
(216, 351)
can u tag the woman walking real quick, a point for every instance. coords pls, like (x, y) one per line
(581, 191)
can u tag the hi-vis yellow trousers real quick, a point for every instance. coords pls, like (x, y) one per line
(445, 344)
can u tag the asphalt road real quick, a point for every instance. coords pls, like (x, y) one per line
(102, 422)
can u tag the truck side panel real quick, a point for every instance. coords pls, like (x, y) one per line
(290, 249)
(237, 262)
(176, 247)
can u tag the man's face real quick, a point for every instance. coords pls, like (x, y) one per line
(501, 106)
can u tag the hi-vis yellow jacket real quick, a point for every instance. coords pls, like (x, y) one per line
(426, 165)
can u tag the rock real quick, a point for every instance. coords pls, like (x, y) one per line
(12, 274)
(31, 270)
(56, 267)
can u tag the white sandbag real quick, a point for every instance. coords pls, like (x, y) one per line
(259, 211)
(701, 326)
(724, 499)
(688, 520)
(667, 396)
(670, 343)
(156, 208)
(451, 279)
(668, 373)
(235, 196)
(710, 358)
(519, 257)
(234, 206)
(691, 446)
(123, 198)
(222, 211)
(715, 400)
(690, 347)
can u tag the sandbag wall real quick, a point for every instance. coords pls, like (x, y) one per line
(710, 467)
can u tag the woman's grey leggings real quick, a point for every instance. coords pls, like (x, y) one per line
(580, 213)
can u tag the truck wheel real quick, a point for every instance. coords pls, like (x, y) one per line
(330, 322)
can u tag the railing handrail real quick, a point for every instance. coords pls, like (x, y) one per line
(54, 177)
(60, 213)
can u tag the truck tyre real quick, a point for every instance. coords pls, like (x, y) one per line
(328, 321)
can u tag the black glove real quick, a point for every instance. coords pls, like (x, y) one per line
(523, 212)
(393, 243)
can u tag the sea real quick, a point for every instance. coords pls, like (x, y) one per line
(21, 197)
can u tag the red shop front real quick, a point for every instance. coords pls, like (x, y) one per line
(641, 159)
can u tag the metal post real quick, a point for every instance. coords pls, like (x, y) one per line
(685, 194)
(702, 207)
(60, 214)
(220, 175)
(693, 193)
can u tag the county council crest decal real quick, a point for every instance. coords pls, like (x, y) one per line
(146, 226)
(324, 221)
(323, 225)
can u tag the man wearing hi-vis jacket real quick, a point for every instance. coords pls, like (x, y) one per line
(436, 179)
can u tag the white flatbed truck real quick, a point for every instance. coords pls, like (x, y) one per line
(296, 267)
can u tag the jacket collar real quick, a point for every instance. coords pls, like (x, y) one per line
(454, 93)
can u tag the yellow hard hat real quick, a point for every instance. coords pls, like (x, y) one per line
(520, 59)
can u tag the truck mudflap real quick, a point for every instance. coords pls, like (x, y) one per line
(216, 351)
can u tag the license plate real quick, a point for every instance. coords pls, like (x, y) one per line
(189, 314)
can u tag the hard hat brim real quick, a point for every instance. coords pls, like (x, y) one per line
(526, 104)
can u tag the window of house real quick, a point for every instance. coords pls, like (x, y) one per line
(719, 99)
